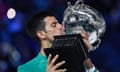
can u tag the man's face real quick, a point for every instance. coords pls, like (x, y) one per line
(53, 27)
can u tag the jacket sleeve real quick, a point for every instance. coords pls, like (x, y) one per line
(93, 69)
(21, 69)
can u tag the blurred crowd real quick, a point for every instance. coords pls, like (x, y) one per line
(16, 47)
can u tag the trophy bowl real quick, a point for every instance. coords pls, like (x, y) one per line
(79, 17)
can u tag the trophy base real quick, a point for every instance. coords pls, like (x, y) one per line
(71, 49)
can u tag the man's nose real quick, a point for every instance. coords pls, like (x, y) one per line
(61, 26)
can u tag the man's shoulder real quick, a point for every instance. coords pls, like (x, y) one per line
(33, 63)
(30, 62)
(28, 65)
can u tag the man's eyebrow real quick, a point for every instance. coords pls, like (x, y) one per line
(54, 22)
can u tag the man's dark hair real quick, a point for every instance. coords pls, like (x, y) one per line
(37, 23)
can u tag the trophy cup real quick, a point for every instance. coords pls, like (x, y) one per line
(79, 17)
(70, 47)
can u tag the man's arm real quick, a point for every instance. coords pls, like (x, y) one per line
(89, 66)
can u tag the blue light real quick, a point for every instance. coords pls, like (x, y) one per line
(16, 24)
(41, 4)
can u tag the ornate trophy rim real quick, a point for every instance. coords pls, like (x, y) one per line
(90, 13)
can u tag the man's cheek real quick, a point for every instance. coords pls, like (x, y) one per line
(54, 32)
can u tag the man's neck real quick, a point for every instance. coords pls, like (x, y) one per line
(45, 44)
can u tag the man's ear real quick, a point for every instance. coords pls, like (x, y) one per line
(40, 34)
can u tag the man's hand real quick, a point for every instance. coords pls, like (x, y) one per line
(52, 67)
(85, 40)
(88, 62)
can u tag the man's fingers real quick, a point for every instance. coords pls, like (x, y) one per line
(84, 35)
(52, 66)
(58, 65)
(54, 59)
(61, 70)
(88, 45)
(85, 39)
(49, 58)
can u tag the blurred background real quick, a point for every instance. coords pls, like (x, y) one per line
(17, 48)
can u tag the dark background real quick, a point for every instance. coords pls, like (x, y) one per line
(16, 47)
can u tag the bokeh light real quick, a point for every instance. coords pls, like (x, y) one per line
(11, 13)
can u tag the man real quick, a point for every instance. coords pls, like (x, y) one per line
(42, 28)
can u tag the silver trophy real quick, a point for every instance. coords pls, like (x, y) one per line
(70, 47)
(79, 17)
